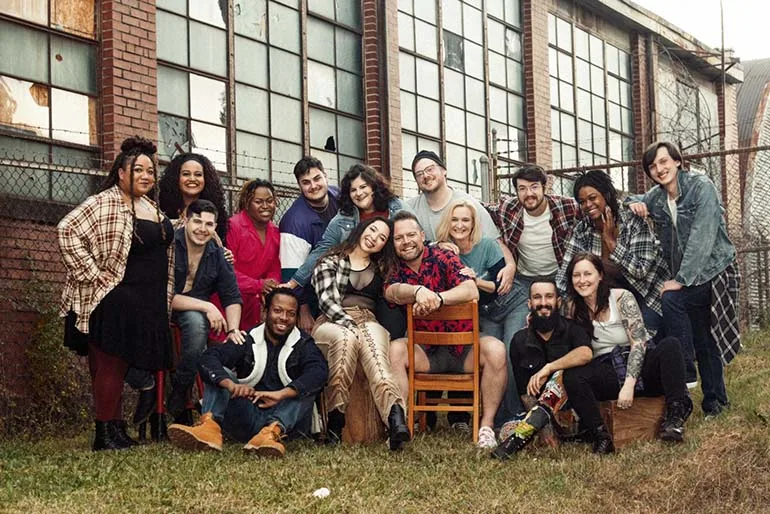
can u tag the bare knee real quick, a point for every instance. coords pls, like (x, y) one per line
(398, 354)
(492, 353)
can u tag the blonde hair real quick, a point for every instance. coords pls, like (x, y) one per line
(442, 231)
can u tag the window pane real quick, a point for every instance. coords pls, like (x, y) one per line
(615, 122)
(597, 56)
(474, 60)
(597, 80)
(426, 39)
(23, 51)
(455, 161)
(251, 111)
(25, 107)
(349, 12)
(322, 7)
(625, 65)
(513, 12)
(612, 59)
(173, 132)
(568, 158)
(250, 62)
(627, 120)
(251, 18)
(33, 10)
(285, 118)
(454, 88)
(251, 159)
(351, 137)
(284, 27)
(513, 44)
(583, 71)
(76, 17)
(454, 55)
(319, 36)
(498, 105)
(285, 73)
(212, 12)
(172, 38)
(584, 104)
(348, 51)
(405, 31)
(600, 142)
(598, 109)
(179, 6)
(208, 101)
(497, 69)
(428, 121)
(496, 36)
(475, 99)
(323, 127)
(284, 155)
(427, 79)
(625, 94)
(73, 65)
(553, 62)
(408, 150)
(554, 87)
(555, 124)
(406, 72)
(173, 91)
(408, 111)
(211, 141)
(455, 125)
(425, 10)
(208, 49)
(565, 67)
(584, 135)
(477, 132)
(406, 6)
(515, 110)
(495, 8)
(472, 27)
(551, 29)
(581, 43)
(563, 35)
(452, 15)
(567, 128)
(73, 117)
(515, 76)
(321, 85)
(349, 94)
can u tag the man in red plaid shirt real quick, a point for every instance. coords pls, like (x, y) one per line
(429, 277)
(536, 228)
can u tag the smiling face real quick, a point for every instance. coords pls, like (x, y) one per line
(314, 187)
(144, 176)
(664, 168)
(586, 278)
(429, 175)
(543, 299)
(281, 316)
(362, 194)
(408, 239)
(592, 202)
(261, 208)
(200, 228)
(374, 237)
(531, 195)
(191, 181)
(461, 224)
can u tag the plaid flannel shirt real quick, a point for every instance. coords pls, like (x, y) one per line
(508, 215)
(330, 277)
(637, 254)
(94, 239)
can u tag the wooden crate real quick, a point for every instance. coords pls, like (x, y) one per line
(362, 421)
(639, 423)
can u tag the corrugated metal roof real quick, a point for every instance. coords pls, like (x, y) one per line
(756, 74)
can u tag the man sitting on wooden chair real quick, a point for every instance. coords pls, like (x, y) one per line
(429, 277)
(260, 391)
(551, 343)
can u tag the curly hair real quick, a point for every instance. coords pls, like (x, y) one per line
(171, 200)
(581, 314)
(381, 192)
(602, 182)
(248, 189)
(385, 260)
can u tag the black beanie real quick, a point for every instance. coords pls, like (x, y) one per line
(427, 154)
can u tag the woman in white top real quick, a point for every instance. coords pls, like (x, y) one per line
(625, 362)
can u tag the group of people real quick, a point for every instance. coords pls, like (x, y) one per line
(580, 299)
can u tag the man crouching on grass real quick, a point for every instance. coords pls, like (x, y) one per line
(276, 376)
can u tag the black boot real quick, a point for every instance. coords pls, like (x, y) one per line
(120, 428)
(177, 401)
(144, 405)
(334, 427)
(399, 432)
(677, 412)
(512, 445)
(105, 438)
(158, 427)
(602, 441)
(185, 418)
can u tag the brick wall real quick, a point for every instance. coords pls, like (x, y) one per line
(29, 257)
(128, 72)
(392, 130)
(536, 81)
(640, 74)
(373, 101)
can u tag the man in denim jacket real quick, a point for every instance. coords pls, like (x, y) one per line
(689, 221)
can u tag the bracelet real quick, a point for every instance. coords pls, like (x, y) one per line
(441, 298)
(232, 331)
(416, 291)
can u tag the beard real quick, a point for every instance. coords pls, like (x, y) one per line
(543, 323)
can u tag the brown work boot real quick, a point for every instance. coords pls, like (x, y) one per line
(267, 443)
(205, 435)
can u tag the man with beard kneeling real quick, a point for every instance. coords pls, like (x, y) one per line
(539, 353)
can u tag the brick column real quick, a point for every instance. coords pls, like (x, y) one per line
(129, 73)
(373, 102)
(536, 81)
(640, 97)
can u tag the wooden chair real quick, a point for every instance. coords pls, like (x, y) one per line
(420, 383)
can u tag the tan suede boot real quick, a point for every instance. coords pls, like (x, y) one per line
(267, 443)
(204, 435)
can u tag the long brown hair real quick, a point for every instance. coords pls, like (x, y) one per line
(581, 313)
(385, 260)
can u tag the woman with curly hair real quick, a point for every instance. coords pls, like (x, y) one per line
(116, 247)
(349, 281)
(189, 177)
(254, 240)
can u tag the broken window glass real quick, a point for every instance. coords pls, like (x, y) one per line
(174, 136)
(24, 107)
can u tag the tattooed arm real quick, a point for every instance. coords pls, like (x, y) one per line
(631, 317)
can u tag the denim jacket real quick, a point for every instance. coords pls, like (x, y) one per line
(697, 249)
(338, 230)
(214, 274)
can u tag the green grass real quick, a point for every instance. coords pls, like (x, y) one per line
(724, 466)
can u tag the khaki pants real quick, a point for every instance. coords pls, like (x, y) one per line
(344, 348)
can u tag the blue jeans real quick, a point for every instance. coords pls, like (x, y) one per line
(242, 420)
(687, 316)
(194, 327)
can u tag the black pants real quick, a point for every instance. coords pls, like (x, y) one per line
(597, 381)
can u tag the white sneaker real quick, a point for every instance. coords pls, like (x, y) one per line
(692, 385)
(487, 440)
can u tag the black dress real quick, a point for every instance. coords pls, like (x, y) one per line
(131, 322)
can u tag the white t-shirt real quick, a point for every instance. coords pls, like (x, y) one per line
(536, 255)
(430, 219)
(672, 208)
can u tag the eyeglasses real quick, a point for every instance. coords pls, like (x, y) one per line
(430, 170)
(534, 188)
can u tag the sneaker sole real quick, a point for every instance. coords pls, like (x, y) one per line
(185, 440)
(672, 437)
(263, 451)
